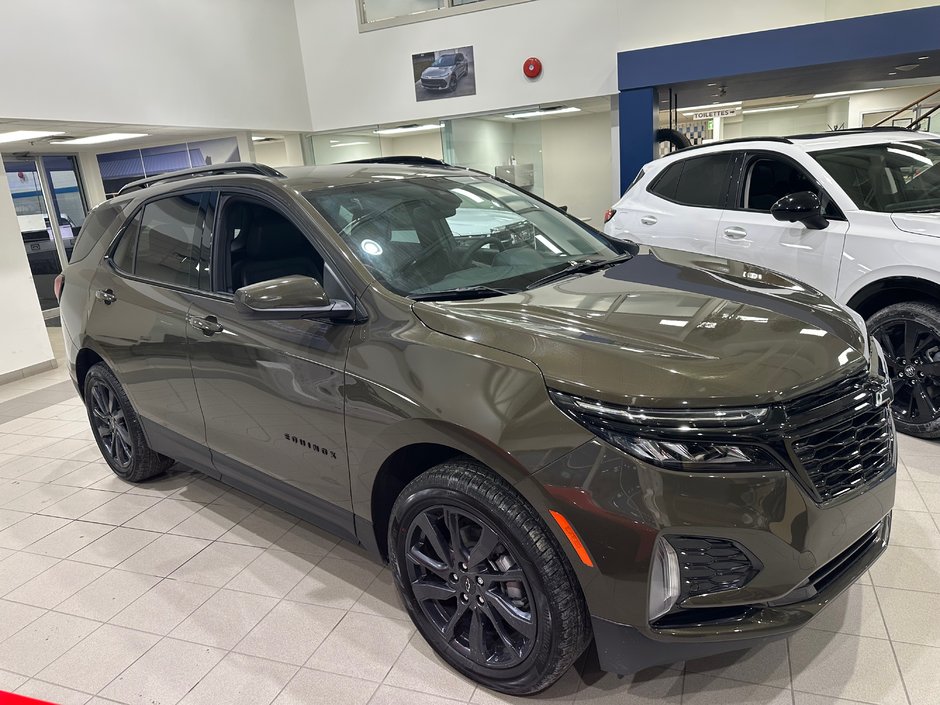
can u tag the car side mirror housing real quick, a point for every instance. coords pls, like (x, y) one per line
(800, 207)
(287, 298)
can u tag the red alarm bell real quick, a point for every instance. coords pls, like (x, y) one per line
(532, 67)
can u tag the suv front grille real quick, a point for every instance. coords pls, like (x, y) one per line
(840, 438)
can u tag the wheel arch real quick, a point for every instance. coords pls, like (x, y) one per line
(84, 361)
(892, 290)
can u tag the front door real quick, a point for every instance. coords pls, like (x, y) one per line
(271, 391)
(748, 232)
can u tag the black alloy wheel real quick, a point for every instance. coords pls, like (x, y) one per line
(470, 587)
(484, 579)
(909, 334)
(110, 425)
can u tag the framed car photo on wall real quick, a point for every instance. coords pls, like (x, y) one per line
(446, 73)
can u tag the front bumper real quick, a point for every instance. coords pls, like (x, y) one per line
(620, 507)
(436, 84)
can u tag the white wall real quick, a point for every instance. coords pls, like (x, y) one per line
(577, 42)
(420, 144)
(880, 101)
(211, 63)
(576, 164)
(272, 153)
(24, 341)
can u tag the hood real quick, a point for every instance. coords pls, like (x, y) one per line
(437, 72)
(668, 329)
(918, 223)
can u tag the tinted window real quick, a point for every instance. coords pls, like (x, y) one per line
(703, 181)
(97, 222)
(126, 250)
(259, 244)
(169, 239)
(665, 185)
(768, 180)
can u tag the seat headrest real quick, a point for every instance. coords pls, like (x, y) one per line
(274, 237)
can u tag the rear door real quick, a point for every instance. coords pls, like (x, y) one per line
(138, 321)
(748, 232)
(272, 391)
(682, 206)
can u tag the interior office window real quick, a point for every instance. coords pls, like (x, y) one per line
(769, 179)
(169, 240)
(261, 243)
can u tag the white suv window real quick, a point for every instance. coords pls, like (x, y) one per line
(698, 181)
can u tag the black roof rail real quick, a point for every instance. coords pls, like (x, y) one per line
(848, 131)
(733, 140)
(208, 170)
(403, 160)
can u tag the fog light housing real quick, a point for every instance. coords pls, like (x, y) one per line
(664, 579)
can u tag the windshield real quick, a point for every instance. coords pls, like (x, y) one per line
(895, 177)
(430, 234)
(445, 60)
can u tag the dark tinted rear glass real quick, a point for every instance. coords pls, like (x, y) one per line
(665, 185)
(703, 181)
(123, 255)
(95, 225)
(169, 240)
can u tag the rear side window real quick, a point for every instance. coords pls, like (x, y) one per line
(95, 225)
(162, 242)
(699, 181)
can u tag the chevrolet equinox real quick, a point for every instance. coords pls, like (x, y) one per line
(552, 439)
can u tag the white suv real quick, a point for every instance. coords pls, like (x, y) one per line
(854, 213)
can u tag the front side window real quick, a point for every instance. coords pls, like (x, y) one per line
(894, 177)
(769, 179)
(699, 181)
(429, 234)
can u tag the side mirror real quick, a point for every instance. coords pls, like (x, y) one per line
(287, 298)
(803, 207)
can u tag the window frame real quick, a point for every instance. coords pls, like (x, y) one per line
(449, 11)
(198, 244)
(745, 163)
(729, 180)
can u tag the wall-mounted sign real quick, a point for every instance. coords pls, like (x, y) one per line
(444, 74)
(709, 114)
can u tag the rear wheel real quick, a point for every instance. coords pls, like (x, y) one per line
(485, 581)
(909, 333)
(117, 430)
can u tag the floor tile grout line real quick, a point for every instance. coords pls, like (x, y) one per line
(790, 673)
(894, 653)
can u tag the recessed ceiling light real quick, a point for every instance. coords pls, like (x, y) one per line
(892, 73)
(541, 112)
(347, 144)
(712, 85)
(21, 135)
(838, 93)
(98, 139)
(257, 138)
(407, 128)
(922, 58)
(771, 109)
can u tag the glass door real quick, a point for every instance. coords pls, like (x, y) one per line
(39, 237)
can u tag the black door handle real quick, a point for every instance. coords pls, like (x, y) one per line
(105, 295)
(209, 325)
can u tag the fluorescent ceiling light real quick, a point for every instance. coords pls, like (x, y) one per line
(346, 144)
(407, 128)
(257, 138)
(98, 139)
(838, 93)
(713, 106)
(540, 112)
(21, 135)
(467, 194)
(917, 157)
(673, 322)
(771, 109)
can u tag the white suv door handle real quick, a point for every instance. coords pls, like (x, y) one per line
(649, 220)
(735, 233)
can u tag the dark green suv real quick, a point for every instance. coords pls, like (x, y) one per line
(550, 437)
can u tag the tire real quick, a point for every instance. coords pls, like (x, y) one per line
(677, 139)
(452, 84)
(122, 443)
(524, 576)
(913, 364)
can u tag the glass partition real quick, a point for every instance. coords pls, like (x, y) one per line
(384, 11)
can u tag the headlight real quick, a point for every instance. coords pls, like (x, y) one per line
(674, 439)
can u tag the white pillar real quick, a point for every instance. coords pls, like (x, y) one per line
(295, 150)
(91, 178)
(24, 345)
(246, 148)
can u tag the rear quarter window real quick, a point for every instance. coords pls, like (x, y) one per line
(98, 222)
(699, 181)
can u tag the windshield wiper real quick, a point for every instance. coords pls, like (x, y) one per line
(579, 267)
(464, 292)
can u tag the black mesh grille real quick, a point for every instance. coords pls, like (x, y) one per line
(708, 565)
(846, 453)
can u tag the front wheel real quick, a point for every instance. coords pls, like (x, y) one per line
(117, 430)
(485, 581)
(909, 334)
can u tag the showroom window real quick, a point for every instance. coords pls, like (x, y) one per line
(376, 14)
(698, 182)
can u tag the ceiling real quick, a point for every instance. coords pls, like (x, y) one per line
(901, 70)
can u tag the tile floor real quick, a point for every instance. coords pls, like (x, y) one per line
(184, 591)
